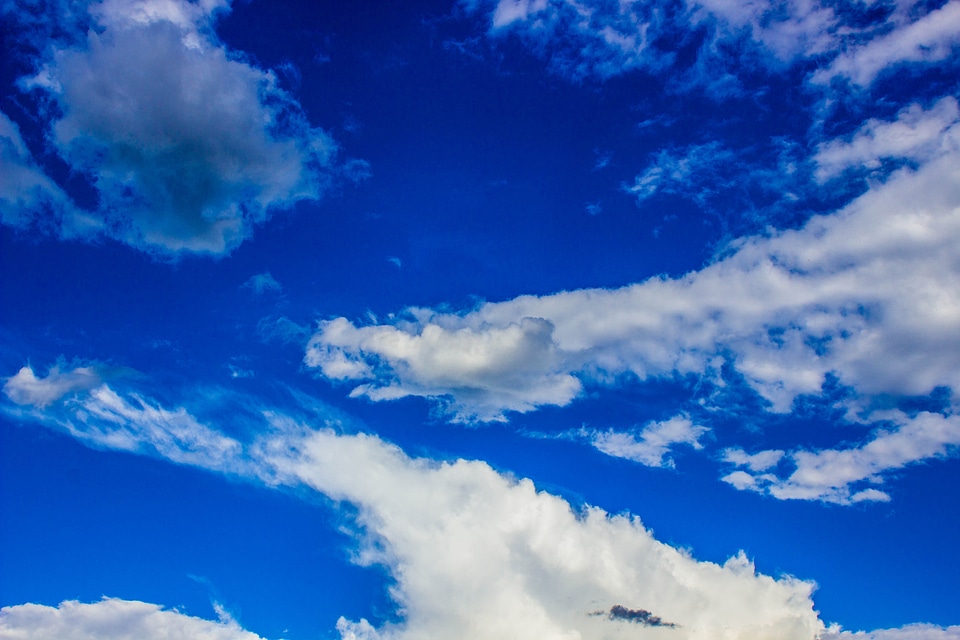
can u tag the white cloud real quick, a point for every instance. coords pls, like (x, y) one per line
(931, 38)
(112, 619)
(849, 475)
(25, 388)
(188, 145)
(651, 445)
(471, 553)
(917, 134)
(483, 371)
(870, 294)
(26, 193)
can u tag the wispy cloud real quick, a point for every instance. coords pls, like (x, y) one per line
(262, 282)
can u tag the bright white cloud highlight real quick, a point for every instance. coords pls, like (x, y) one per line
(650, 445)
(188, 145)
(112, 619)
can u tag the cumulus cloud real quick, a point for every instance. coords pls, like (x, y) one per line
(262, 282)
(849, 475)
(188, 145)
(478, 372)
(650, 445)
(112, 619)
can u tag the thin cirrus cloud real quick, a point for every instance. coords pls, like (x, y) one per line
(188, 145)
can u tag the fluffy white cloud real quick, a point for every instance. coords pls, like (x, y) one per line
(917, 134)
(482, 371)
(477, 555)
(930, 38)
(850, 475)
(651, 444)
(188, 145)
(112, 619)
(25, 388)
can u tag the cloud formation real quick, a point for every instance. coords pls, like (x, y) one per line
(188, 145)
(112, 619)
(472, 553)
(867, 296)
(650, 445)
(611, 38)
(849, 475)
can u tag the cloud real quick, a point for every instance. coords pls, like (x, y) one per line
(651, 445)
(25, 388)
(868, 294)
(188, 145)
(908, 632)
(471, 552)
(480, 372)
(27, 195)
(930, 38)
(112, 619)
(262, 282)
(916, 135)
(850, 475)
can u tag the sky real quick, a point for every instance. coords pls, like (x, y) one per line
(533, 319)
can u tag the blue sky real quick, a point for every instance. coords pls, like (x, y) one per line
(480, 319)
